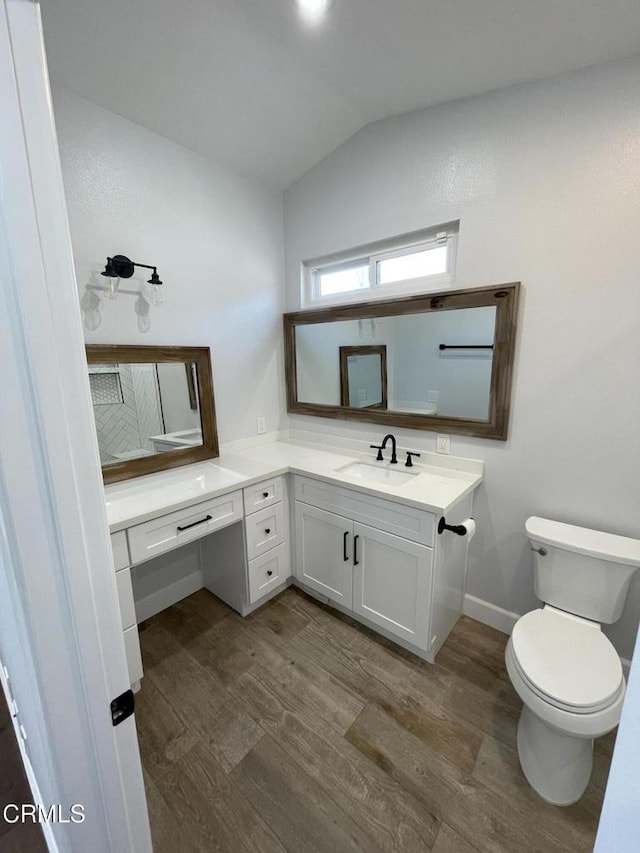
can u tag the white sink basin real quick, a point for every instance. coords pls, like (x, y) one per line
(378, 473)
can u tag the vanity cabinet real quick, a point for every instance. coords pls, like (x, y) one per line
(382, 577)
(267, 537)
(122, 564)
(323, 556)
(170, 531)
(378, 559)
(381, 561)
(243, 564)
(392, 583)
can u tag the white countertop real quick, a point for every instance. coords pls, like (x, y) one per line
(441, 482)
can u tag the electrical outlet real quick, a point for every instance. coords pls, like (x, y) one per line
(262, 426)
(432, 396)
(443, 442)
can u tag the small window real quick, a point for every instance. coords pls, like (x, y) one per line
(412, 263)
(344, 279)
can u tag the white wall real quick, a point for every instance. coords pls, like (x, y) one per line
(545, 179)
(215, 236)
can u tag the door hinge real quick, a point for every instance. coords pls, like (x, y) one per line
(122, 707)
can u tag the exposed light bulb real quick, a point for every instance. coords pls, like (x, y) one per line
(112, 287)
(155, 294)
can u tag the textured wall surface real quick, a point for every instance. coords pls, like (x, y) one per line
(215, 236)
(545, 179)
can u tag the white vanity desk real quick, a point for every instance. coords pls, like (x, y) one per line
(285, 513)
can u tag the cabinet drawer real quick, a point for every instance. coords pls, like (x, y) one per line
(132, 651)
(263, 494)
(265, 530)
(406, 521)
(125, 597)
(172, 530)
(268, 571)
(120, 550)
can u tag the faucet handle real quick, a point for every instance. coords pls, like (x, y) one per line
(409, 462)
(377, 447)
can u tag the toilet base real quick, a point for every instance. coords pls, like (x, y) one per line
(556, 765)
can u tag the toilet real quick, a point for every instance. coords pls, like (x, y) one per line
(562, 666)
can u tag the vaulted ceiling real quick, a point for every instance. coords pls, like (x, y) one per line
(248, 83)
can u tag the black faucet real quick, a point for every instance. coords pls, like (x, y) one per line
(381, 447)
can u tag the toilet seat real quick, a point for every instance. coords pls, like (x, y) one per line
(567, 661)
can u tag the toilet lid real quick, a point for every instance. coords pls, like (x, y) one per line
(567, 659)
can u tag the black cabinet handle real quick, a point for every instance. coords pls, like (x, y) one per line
(265, 494)
(267, 530)
(202, 521)
(355, 550)
(269, 572)
(345, 556)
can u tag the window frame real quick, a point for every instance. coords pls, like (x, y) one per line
(371, 255)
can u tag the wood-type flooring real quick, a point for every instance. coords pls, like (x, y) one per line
(296, 729)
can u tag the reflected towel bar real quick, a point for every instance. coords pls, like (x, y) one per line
(465, 346)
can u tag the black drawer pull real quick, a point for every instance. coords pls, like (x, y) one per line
(345, 556)
(265, 494)
(269, 572)
(355, 550)
(267, 530)
(202, 521)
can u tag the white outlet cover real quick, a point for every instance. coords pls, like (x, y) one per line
(432, 396)
(261, 426)
(443, 442)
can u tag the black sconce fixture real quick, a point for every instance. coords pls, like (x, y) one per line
(119, 266)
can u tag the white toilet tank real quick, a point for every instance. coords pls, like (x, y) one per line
(585, 572)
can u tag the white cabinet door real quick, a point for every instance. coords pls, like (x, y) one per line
(324, 547)
(392, 583)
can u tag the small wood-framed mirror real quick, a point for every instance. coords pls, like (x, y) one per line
(153, 406)
(363, 377)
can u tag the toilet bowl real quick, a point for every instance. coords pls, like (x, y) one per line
(570, 680)
(564, 669)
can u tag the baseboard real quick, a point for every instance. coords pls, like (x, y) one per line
(168, 595)
(489, 614)
(31, 776)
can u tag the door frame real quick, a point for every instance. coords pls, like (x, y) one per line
(56, 561)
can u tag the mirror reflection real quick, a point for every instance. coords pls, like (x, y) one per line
(142, 409)
(363, 377)
(436, 363)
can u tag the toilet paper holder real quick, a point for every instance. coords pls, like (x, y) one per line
(460, 529)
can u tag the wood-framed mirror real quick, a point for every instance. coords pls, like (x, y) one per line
(363, 377)
(153, 406)
(448, 360)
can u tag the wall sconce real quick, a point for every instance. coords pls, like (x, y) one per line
(119, 266)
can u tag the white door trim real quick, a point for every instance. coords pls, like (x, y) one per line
(58, 561)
